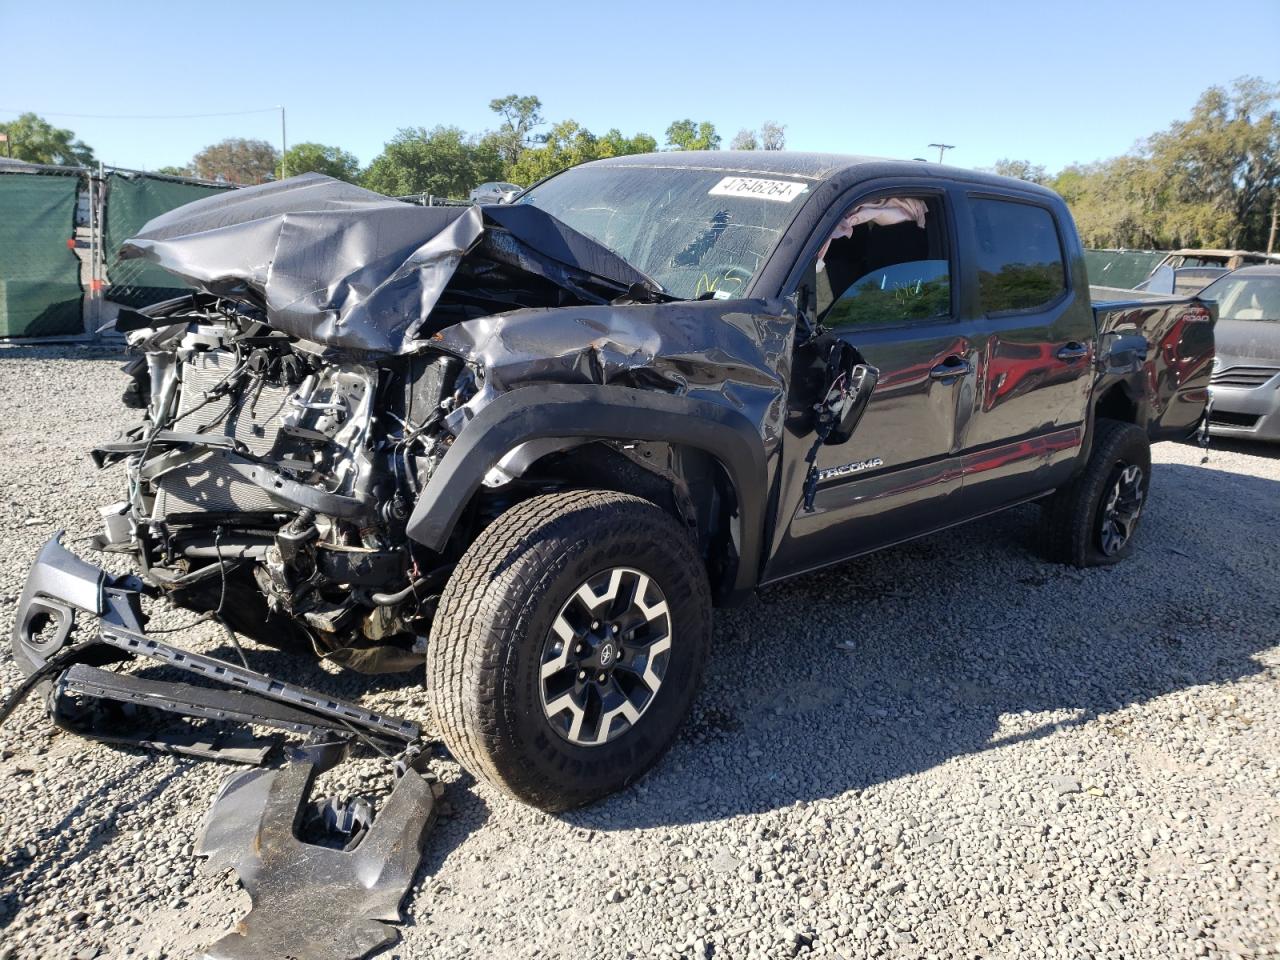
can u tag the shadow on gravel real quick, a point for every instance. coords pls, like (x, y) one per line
(69, 840)
(898, 662)
(1250, 448)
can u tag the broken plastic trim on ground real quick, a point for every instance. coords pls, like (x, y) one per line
(310, 901)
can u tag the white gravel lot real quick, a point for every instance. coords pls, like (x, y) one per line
(951, 749)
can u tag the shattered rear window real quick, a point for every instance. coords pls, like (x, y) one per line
(699, 233)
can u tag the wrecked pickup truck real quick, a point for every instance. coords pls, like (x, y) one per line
(532, 445)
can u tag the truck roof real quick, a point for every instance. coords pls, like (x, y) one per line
(817, 167)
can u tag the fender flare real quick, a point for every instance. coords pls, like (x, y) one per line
(599, 413)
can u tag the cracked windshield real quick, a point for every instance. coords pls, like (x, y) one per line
(698, 233)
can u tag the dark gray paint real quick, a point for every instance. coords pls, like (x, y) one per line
(60, 586)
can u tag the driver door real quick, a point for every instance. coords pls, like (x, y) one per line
(890, 290)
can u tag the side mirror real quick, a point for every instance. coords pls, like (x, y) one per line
(862, 381)
(850, 385)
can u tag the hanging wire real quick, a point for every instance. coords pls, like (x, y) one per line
(222, 599)
(144, 116)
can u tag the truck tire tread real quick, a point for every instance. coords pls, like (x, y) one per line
(484, 606)
(1067, 532)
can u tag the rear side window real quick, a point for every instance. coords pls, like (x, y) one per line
(1019, 257)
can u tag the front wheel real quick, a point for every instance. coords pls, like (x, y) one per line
(1092, 521)
(568, 645)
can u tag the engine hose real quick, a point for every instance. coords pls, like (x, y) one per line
(389, 599)
(423, 583)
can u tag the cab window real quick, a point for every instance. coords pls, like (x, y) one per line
(886, 263)
(1019, 256)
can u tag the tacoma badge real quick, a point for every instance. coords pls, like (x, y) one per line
(847, 468)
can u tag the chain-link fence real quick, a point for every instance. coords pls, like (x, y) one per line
(60, 235)
(130, 199)
(1120, 268)
(61, 228)
(40, 272)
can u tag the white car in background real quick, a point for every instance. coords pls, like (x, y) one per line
(495, 191)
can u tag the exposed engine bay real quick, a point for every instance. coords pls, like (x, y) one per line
(270, 487)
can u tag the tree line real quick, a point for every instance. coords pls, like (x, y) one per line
(444, 160)
(1211, 180)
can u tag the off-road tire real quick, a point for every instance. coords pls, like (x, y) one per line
(487, 643)
(1073, 515)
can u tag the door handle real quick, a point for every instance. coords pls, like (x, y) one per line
(951, 368)
(1075, 350)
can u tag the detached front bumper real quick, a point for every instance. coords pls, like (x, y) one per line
(309, 901)
(60, 587)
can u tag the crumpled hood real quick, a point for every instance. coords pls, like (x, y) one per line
(348, 268)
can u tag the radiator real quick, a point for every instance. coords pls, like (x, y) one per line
(208, 485)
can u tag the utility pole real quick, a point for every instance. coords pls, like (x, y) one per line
(1275, 216)
(284, 148)
(943, 148)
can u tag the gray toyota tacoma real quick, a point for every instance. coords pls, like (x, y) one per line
(532, 445)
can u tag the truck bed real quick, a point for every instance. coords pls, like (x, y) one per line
(1167, 341)
(1109, 298)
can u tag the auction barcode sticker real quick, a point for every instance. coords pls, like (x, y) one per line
(784, 191)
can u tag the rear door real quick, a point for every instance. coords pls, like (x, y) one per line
(887, 288)
(1032, 332)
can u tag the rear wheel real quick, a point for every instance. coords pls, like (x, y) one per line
(568, 645)
(1092, 521)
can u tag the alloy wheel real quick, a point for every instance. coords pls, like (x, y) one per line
(1122, 505)
(605, 656)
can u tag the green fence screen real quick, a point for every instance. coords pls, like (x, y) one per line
(40, 292)
(132, 200)
(1120, 268)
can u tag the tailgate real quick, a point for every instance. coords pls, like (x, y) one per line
(1161, 347)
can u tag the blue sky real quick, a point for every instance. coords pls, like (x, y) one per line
(1052, 83)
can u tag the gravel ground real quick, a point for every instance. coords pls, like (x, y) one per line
(950, 749)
